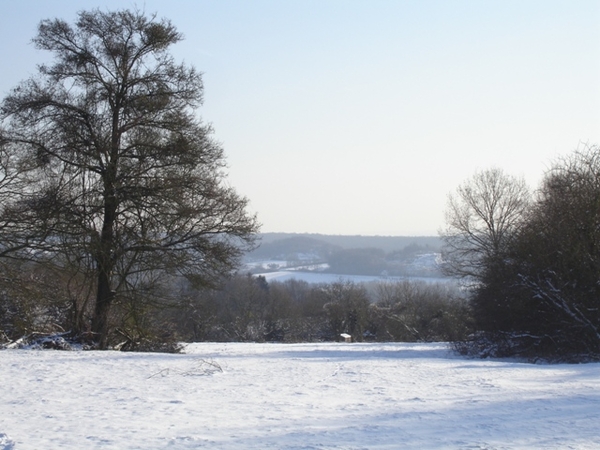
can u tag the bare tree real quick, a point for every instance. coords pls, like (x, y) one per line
(127, 179)
(14, 178)
(481, 219)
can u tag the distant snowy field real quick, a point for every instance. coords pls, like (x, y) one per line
(320, 277)
(301, 396)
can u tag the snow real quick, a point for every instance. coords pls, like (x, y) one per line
(294, 396)
(321, 277)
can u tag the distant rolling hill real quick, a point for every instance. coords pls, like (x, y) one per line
(277, 244)
(348, 255)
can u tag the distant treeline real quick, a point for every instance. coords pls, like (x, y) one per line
(249, 308)
(388, 244)
(37, 300)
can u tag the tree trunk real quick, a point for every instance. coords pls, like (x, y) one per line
(104, 300)
(105, 263)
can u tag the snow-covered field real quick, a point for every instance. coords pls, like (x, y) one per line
(301, 396)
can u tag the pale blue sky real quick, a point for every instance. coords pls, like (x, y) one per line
(359, 117)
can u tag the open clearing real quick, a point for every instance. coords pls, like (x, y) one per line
(294, 396)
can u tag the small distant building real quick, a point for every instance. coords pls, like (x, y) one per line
(346, 337)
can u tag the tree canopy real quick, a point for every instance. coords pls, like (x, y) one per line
(482, 217)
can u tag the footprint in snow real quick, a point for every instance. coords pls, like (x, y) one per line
(6, 443)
